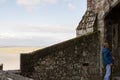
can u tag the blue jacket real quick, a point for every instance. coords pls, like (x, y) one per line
(107, 57)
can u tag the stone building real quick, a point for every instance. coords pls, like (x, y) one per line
(103, 15)
(79, 58)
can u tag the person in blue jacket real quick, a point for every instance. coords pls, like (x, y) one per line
(107, 60)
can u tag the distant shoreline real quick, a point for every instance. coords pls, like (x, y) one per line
(17, 49)
(19, 46)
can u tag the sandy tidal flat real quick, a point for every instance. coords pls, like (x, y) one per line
(10, 56)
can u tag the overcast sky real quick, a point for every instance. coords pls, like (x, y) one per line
(39, 22)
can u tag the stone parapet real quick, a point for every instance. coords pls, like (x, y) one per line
(75, 59)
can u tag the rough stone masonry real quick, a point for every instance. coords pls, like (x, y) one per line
(79, 58)
(74, 59)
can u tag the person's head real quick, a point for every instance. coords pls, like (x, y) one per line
(106, 45)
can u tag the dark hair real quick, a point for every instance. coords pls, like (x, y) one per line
(105, 43)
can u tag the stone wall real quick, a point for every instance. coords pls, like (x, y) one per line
(1, 66)
(87, 24)
(75, 59)
(102, 8)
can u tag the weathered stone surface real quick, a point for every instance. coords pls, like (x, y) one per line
(76, 59)
(8, 75)
(87, 23)
(99, 7)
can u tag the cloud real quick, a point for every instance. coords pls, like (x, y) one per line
(71, 6)
(30, 4)
(36, 35)
(45, 28)
(32, 38)
(50, 1)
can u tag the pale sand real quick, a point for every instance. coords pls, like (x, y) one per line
(18, 49)
(10, 56)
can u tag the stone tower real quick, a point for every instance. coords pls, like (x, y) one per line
(104, 16)
(89, 19)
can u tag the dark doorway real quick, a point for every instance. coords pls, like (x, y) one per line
(112, 34)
